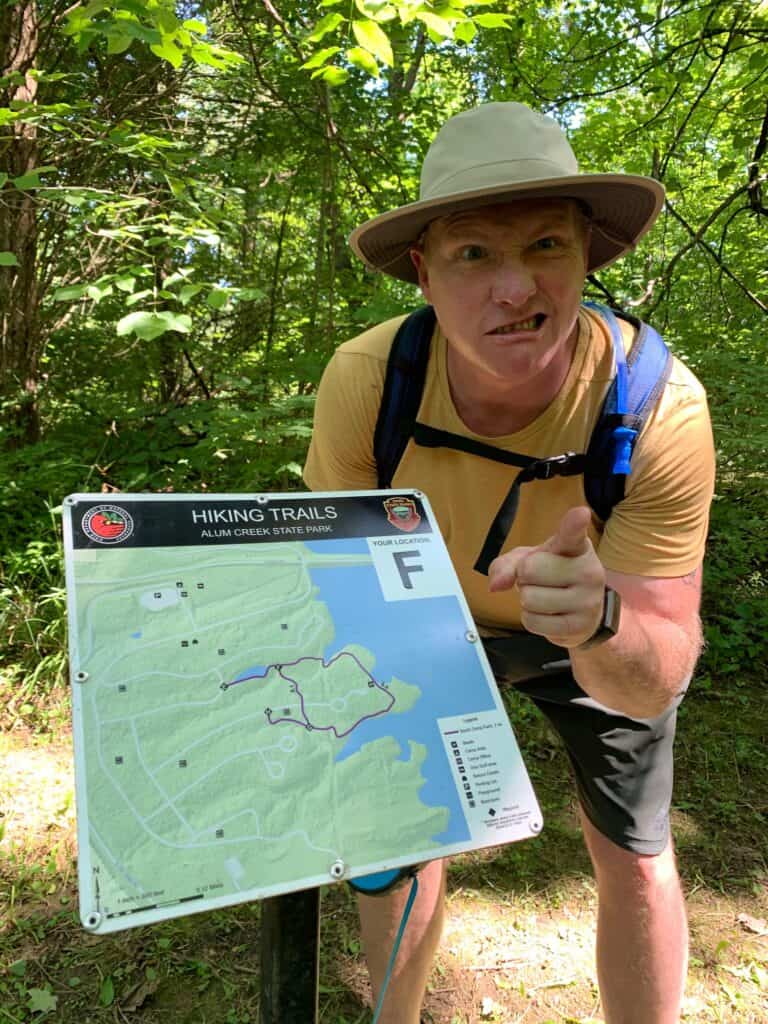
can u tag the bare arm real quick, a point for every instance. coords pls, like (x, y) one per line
(651, 658)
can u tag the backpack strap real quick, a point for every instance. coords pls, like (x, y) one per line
(640, 378)
(403, 387)
(568, 464)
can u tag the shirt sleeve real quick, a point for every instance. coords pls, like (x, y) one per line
(340, 455)
(660, 528)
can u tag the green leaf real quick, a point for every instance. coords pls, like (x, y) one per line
(374, 39)
(250, 294)
(376, 10)
(216, 298)
(18, 968)
(69, 294)
(138, 297)
(177, 277)
(441, 28)
(362, 59)
(32, 178)
(492, 20)
(188, 292)
(41, 1000)
(196, 26)
(168, 50)
(3, 178)
(725, 170)
(332, 75)
(465, 32)
(167, 21)
(98, 292)
(118, 42)
(125, 284)
(107, 991)
(320, 57)
(327, 24)
(8, 259)
(148, 325)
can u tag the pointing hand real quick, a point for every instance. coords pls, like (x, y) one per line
(561, 582)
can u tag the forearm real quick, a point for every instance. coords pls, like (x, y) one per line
(640, 670)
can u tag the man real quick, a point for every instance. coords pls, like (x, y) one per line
(500, 243)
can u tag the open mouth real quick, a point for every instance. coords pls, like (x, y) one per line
(533, 323)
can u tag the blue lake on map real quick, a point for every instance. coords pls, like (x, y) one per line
(420, 642)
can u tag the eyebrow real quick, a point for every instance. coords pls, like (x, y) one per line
(456, 223)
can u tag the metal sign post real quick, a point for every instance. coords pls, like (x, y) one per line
(290, 958)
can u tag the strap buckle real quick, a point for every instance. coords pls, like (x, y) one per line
(568, 464)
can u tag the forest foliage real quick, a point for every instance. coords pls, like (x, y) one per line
(177, 183)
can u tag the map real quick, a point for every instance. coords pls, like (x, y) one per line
(270, 693)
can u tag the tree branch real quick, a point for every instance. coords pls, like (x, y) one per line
(755, 192)
(697, 239)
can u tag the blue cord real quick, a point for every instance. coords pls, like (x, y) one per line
(393, 955)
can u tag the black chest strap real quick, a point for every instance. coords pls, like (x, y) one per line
(568, 464)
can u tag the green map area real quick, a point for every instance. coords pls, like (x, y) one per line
(211, 718)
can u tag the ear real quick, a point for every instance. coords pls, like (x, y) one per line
(587, 241)
(420, 263)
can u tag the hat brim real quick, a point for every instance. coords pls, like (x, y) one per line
(624, 207)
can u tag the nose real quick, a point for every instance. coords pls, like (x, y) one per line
(513, 281)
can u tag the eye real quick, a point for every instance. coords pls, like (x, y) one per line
(547, 244)
(472, 253)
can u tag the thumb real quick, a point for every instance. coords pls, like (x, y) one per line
(572, 537)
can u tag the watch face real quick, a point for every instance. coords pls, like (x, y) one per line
(609, 625)
(611, 611)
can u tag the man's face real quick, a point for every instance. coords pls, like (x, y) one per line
(506, 284)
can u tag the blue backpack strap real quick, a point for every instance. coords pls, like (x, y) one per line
(403, 387)
(639, 381)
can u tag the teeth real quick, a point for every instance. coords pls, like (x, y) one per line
(522, 325)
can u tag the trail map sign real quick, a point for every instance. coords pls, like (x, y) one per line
(272, 692)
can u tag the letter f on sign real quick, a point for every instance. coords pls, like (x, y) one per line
(403, 568)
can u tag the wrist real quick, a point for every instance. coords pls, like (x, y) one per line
(608, 625)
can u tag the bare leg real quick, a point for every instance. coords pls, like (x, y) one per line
(642, 932)
(379, 921)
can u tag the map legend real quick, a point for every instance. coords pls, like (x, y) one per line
(497, 798)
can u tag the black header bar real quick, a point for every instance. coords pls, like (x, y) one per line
(136, 521)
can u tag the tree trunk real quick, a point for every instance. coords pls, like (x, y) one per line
(20, 338)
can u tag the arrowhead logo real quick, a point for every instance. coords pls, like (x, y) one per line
(401, 512)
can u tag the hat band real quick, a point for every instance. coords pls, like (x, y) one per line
(499, 174)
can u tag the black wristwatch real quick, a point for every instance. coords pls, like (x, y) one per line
(609, 623)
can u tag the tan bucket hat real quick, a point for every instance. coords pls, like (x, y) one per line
(496, 153)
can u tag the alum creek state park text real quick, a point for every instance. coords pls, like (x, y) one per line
(266, 531)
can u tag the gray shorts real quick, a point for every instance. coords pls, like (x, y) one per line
(623, 766)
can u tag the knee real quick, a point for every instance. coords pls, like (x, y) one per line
(628, 873)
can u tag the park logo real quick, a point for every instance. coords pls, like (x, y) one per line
(401, 512)
(107, 524)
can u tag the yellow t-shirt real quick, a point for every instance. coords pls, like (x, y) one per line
(659, 529)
